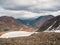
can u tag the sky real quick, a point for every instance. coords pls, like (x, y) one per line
(26, 9)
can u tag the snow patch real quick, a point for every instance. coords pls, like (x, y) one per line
(51, 26)
(58, 28)
(56, 31)
(16, 34)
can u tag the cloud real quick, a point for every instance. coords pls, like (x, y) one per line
(29, 8)
(18, 14)
(36, 6)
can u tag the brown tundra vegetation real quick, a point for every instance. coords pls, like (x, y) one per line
(41, 38)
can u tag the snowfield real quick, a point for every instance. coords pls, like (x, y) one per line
(22, 33)
(56, 31)
(16, 34)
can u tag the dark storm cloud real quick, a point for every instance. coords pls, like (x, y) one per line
(17, 8)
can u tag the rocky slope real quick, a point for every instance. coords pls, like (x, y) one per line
(41, 20)
(11, 24)
(52, 24)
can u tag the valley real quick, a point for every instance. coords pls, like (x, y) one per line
(44, 30)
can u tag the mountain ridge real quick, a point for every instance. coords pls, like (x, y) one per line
(11, 24)
(51, 24)
(41, 20)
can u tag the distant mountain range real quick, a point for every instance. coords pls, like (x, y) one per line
(36, 22)
(41, 23)
(27, 21)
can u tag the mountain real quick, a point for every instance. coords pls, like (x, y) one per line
(52, 24)
(11, 24)
(27, 21)
(37, 22)
(41, 20)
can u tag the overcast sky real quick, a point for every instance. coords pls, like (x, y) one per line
(29, 8)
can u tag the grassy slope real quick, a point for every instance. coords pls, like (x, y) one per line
(42, 38)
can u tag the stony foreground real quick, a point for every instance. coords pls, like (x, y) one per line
(42, 38)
